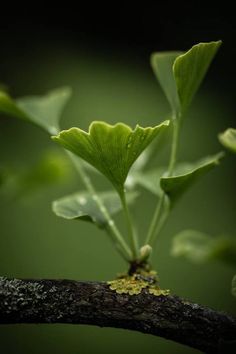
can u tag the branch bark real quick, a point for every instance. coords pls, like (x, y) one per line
(93, 303)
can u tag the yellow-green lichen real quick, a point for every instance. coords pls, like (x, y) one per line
(135, 283)
(127, 285)
(157, 291)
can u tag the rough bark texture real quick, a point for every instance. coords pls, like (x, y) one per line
(67, 301)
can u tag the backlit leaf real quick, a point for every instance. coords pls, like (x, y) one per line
(112, 149)
(162, 65)
(83, 206)
(228, 139)
(187, 174)
(190, 69)
(45, 111)
(180, 74)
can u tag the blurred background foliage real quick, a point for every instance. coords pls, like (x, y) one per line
(111, 79)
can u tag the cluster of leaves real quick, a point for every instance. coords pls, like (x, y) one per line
(114, 149)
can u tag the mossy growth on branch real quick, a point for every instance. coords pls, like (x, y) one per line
(138, 278)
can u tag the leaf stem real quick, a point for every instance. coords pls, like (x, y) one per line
(126, 255)
(174, 146)
(162, 209)
(117, 237)
(132, 235)
(155, 220)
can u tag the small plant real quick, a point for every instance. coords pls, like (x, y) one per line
(115, 151)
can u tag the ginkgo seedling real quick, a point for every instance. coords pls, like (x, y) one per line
(113, 150)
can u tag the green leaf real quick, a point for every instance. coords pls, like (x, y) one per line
(162, 64)
(138, 165)
(150, 180)
(112, 149)
(228, 139)
(190, 69)
(234, 285)
(180, 74)
(199, 247)
(83, 206)
(44, 111)
(187, 174)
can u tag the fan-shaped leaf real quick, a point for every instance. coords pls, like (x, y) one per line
(228, 139)
(112, 149)
(190, 69)
(187, 174)
(83, 206)
(180, 74)
(45, 111)
(162, 64)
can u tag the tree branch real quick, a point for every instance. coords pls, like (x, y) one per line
(93, 303)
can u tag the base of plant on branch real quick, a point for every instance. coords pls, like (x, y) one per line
(140, 277)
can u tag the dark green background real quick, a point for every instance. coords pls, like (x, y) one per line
(111, 80)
